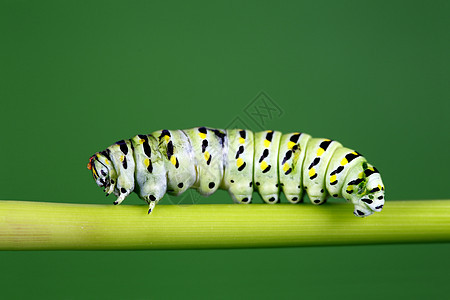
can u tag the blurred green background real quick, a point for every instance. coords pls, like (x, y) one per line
(76, 76)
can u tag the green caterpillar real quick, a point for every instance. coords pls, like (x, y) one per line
(239, 161)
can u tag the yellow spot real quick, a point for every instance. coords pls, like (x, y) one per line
(333, 178)
(167, 138)
(361, 175)
(239, 162)
(312, 172)
(95, 172)
(291, 145)
(241, 140)
(263, 165)
(202, 135)
(207, 155)
(354, 153)
(147, 162)
(344, 161)
(107, 161)
(380, 187)
(266, 143)
(98, 155)
(349, 189)
(141, 141)
(320, 151)
(173, 160)
(285, 167)
(122, 158)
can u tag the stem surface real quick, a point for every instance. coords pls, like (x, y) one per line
(26, 225)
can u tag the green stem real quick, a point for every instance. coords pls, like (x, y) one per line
(37, 225)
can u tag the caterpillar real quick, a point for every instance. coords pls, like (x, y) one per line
(239, 161)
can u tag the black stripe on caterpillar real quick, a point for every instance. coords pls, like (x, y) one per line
(240, 162)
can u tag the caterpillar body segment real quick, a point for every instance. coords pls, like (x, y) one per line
(240, 162)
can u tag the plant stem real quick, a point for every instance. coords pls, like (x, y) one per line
(26, 225)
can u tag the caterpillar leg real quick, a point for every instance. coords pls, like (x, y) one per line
(265, 171)
(318, 154)
(151, 206)
(290, 161)
(238, 175)
(119, 200)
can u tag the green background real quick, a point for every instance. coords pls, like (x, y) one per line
(76, 76)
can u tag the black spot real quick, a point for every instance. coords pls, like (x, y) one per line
(338, 170)
(123, 191)
(242, 167)
(374, 190)
(272, 199)
(123, 146)
(242, 133)
(298, 186)
(324, 145)
(152, 198)
(287, 156)
(368, 201)
(147, 149)
(379, 207)
(264, 155)
(232, 181)
(150, 166)
(204, 145)
(288, 171)
(282, 184)
(315, 162)
(316, 201)
(202, 130)
(352, 156)
(177, 164)
(220, 135)
(211, 185)
(314, 176)
(321, 190)
(124, 163)
(335, 195)
(359, 212)
(334, 182)
(295, 147)
(250, 184)
(276, 185)
(369, 172)
(180, 185)
(267, 169)
(142, 136)
(380, 198)
(103, 173)
(356, 181)
(294, 198)
(169, 149)
(349, 191)
(209, 160)
(240, 151)
(294, 138)
(257, 183)
(164, 132)
(305, 187)
(112, 181)
(245, 199)
(269, 136)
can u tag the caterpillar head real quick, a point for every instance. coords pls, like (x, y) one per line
(103, 171)
(365, 189)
